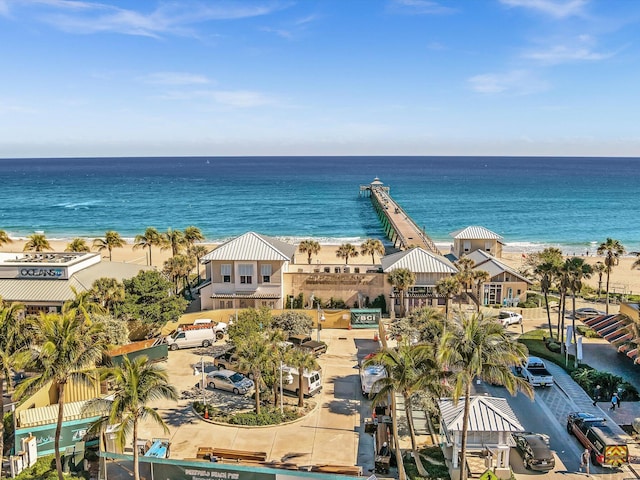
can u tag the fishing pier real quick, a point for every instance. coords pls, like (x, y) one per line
(398, 225)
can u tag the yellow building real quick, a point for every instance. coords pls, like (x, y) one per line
(474, 238)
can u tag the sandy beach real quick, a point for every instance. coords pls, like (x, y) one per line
(623, 278)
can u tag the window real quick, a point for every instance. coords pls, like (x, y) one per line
(466, 245)
(487, 246)
(265, 271)
(225, 271)
(229, 303)
(246, 274)
(221, 303)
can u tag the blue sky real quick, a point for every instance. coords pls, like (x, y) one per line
(319, 77)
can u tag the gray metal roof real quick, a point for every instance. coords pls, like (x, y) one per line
(252, 246)
(418, 260)
(118, 270)
(486, 414)
(475, 233)
(488, 263)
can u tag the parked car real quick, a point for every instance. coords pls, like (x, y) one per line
(587, 312)
(507, 318)
(230, 381)
(535, 451)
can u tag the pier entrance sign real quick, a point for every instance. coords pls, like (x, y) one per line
(365, 317)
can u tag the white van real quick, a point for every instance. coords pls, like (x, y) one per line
(311, 383)
(188, 338)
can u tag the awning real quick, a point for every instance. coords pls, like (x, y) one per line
(273, 296)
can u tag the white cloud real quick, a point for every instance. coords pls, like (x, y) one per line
(231, 98)
(517, 82)
(175, 78)
(557, 9)
(419, 7)
(563, 54)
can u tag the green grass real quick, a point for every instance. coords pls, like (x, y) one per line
(438, 469)
(534, 341)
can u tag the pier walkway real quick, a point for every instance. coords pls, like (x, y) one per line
(398, 225)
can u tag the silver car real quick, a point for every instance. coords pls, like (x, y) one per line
(230, 381)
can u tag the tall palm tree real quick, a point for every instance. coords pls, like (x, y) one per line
(546, 272)
(14, 340)
(77, 245)
(577, 270)
(254, 352)
(69, 350)
(612, 250)
(599, 268)
(150, 238)
(448, 287)
(4, 238)
(479, 347)
(402, 279)
(346, 251)
(111, 240)
(37, 243)
(635, 264)
(304, 361)
(173, 239)
(177, 268)
(371, 247)
(479, 278)
(83, 304)
(192, 235)
(135, 383)
(465, 272)
(310, 247)
(197, 252)
(108, 292)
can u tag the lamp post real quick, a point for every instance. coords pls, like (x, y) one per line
(320, 319)
(202, 381)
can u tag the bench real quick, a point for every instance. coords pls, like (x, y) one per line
(204, 452)
(226, 453)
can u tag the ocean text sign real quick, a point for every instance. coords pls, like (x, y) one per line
(40, 272)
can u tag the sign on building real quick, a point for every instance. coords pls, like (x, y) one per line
(365, 317)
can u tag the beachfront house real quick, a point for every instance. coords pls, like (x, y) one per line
(505, 286)
(428, 268)
(43, 282)
(474, 238)
(246, 272)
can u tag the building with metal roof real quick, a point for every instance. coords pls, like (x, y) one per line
(468, 239)
(43, 282)
(505, 286)
(490, 424)
(429, 268)
(247, 271)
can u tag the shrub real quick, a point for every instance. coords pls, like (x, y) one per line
(44, 469)
(436, 468)
(588, 378)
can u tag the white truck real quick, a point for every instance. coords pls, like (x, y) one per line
(201, 335)
(535, 372)
(369, 375)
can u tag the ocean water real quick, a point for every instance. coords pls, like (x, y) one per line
(573, 203)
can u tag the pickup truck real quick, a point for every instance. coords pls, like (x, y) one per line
(535, 372)
(606, 447)
(304, 342)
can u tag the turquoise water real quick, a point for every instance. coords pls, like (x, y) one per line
(573, 203)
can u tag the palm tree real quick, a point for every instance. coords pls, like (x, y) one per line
(303, 361)
(197, 252)
(135, 383)
(150, 238)
(77, 245)
(599, 268)
(192, 235)
(478, 346)
(346, 251)
(69, 350)
(173, 239)
(13, 343)
(254, 352)
(108, 292)
(401, 279)
(4, 238)
(479, 277)
(83, 304)
(371, 247)
(612, 250)
(310, 247)
(577, 270)
(465, 272)
(111, 240)
(177, 268)
(411, 369)
(448, 287)
(547, 272)
(37, 243)
(635, 264)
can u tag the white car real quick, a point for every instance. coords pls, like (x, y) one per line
(509, 318)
